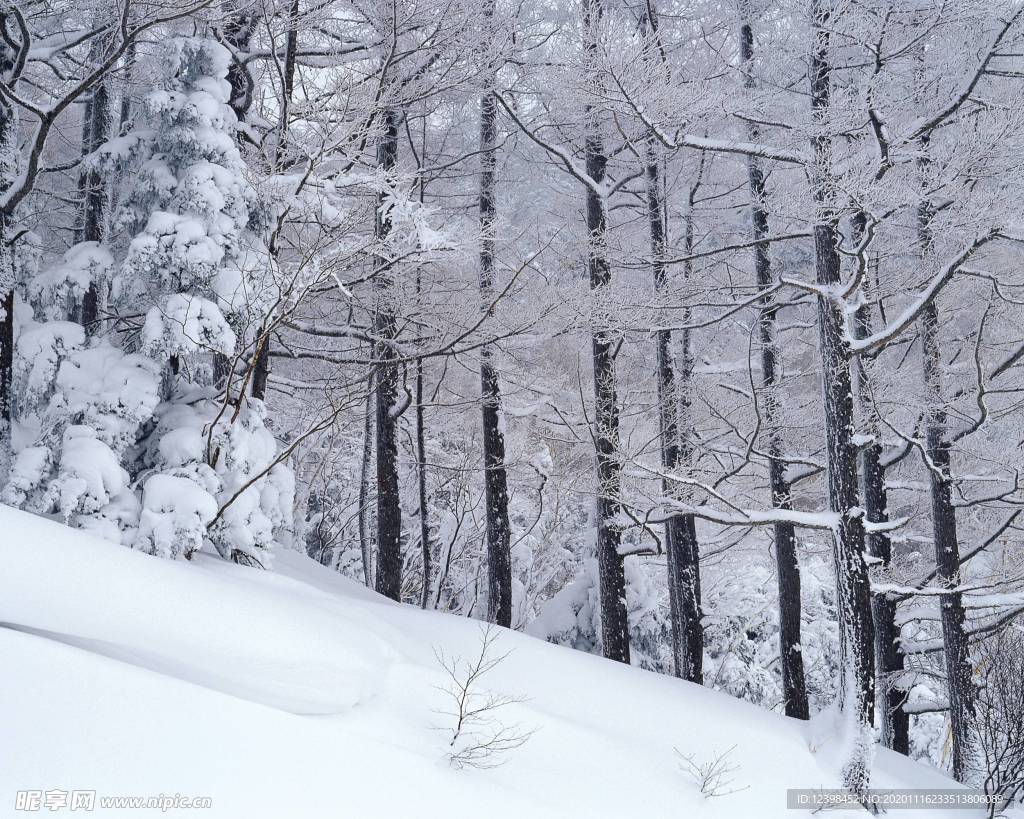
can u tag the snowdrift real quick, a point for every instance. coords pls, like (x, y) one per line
(297, 693)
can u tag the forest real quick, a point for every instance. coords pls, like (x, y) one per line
(686, 333)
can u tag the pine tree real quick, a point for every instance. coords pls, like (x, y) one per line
(197, 255)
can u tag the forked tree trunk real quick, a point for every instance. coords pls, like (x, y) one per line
(612, 581)
(794, 687)
(894, 721)
(681, 548)
(856, 631)
(385, 325)
(499, 557)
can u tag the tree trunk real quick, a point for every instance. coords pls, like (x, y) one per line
(94, 203)
(612, 581)
(238, 31)
(889, 661)
(385, 324)
(365, 546)
(499, 558)
(680, 534)
(895, 722)
(261, 366)
(421, 476)
(938, 453)
(8, 271)
(794, 687)
(947, 561)
(856, 630)
(681, 547)
(7, 277)
(95, 131)
(239, 25)
(947, 546)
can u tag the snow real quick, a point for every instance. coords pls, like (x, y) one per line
(112, 391)
(187, 324)
(175, 513)
(40, 350)
(90, 473)
(300, 693)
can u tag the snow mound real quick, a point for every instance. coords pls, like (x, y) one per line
(299, 693)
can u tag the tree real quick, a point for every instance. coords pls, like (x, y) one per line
(788, 568)
(856, 628)
(499, 559)
(20, 163)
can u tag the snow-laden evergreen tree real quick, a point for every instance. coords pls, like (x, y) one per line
(139, 444)
(209, 467)
(81, 407)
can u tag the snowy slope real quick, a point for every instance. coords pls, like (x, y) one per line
(296, 693)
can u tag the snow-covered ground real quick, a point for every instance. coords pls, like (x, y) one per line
(297, 693)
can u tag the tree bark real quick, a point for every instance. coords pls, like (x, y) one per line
(499, 557)
(94, 204)
(261, 366)
(238, 31)
(681, 547)
(947, 547)
(889, 660)
(385, 324)
(856, 628)
(794, 686)
(421, 477)
(612, 581)
(8, 271)
(895, 722)
(365, 546)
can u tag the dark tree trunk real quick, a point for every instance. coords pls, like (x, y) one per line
(889, 660)
(261, 370)
(681, 547)
(238, 31)
(794, 687)
(95, 132)
(389, 511)
(95, 203)
(6, 351)
(365, 546)
(947, 564)
(856, 630)
(261, 366)
(8, 272)
(499, 558)
(124, 116)
(947, 546)
(239, 26)
(291, 51)
(612, 580)
(421, 477)
(685, 573)
(895, 722)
